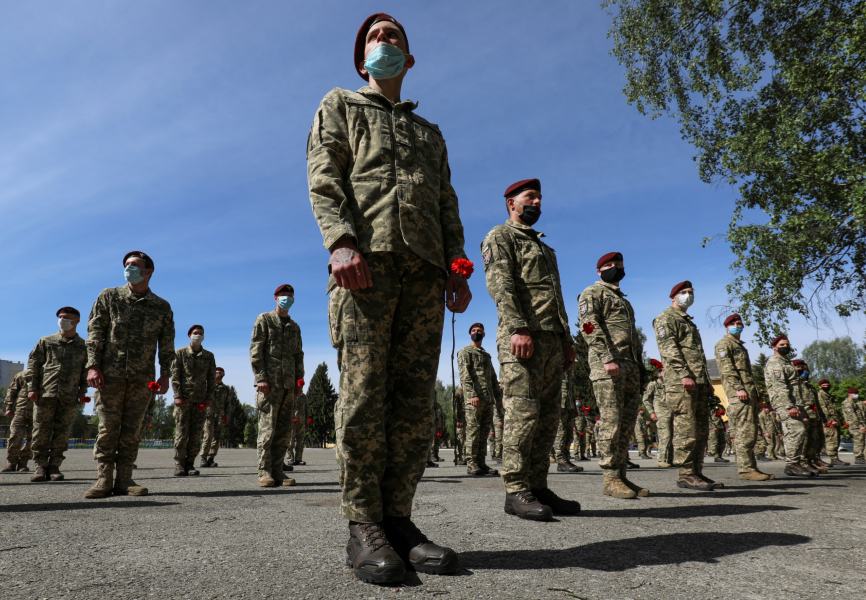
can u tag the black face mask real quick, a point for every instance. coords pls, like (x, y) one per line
(784, 350)
(477, 336)
(612, 275)
(530, 214)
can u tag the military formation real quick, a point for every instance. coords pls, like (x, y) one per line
(380, 191)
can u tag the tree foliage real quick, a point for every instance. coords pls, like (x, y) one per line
(772, 94)
(321, 399)
(834, 359)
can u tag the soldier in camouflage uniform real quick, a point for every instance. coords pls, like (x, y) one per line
(458, 406)
(584, 400)
(19, 409)
(831, 424)
(783, 387)
(653, 402)
(127, 326)
(735, 368)
(295, 452)
(687, 386)
(642, 433)
(216, 417)
(607, 323)
(815, 424)
(277, 358)
(480, 389)
(193, 379)
(438, 430)
(57, 383)
(381, 193)
(534, 345)
(717, 440)
(498, 427)
(854, 410)
(561, 451)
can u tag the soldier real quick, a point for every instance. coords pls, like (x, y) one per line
(607, 323)
(735, 368)
(193, 378)
(438, 429)
(641, 433)
(565, 431)
(584, 399)
(498, 427)
(381, 194)
(717, 435)
(458, 406)
(783, 387)
(480, 388)
(534, 346)
(686, 386)
(854, 410)
(653, 402)
(57, 384)
(277, 357)
(815, 427)
(780, 436)
(19, 409)
(831, 425)
(295, 452)
(216, 417)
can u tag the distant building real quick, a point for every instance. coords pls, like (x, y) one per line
(8, 369)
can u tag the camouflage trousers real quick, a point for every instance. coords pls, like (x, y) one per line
(531, 389)
(388, 339)
(715, 441)
(743, 419)
(859, 439)
(690, 426)
(18, 446)
(498, 428)
(188, 428)
(210, 443)
(760, 444)
(814, 439)
(618, 399)
(275, 424)
(479, 423)
(121, 405)
(52, 422)
(460, 444)
(578, 446)
(794, 435)
(564, 435)
(295, 451)
(641, 435)
(831, 442)
(664, 429)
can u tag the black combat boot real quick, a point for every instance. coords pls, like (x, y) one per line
(415, 549)
(525, 505)
(559, 506)
(795, 470)
(371, 555)
(631, 465)
(488, 471)
(566, 466)
(54, 473)
(40, 475)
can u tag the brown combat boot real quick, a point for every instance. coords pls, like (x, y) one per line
(40, 475)
(22, 468)
(9, 468)
(54, 473)
(265, 480)
(694, 482)
(641, 492)
(124, 484)
(104, 480)
(616, 488)
(755, 475)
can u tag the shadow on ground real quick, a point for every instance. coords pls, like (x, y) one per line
(621, 555)
(47, 507)
(685, 512)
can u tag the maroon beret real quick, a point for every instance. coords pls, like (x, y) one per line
(732, 318)
(656, 363)
(853, 390)
(361, 38)
(797, 362)
(69, 311)
(524, 184)
(823, 381)
(777, 339)
(196, 326)
(610, 256)
(286, 287)
(221, 370)
(148, 261)
(680, 287)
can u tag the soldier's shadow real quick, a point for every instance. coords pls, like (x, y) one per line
(89, 505)
(631, 553)
(685, 512)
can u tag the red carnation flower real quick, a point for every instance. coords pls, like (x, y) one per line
(299, 383)
(153, 386)
(656, 363)
(585, 409)
(845, 425)
(813, 408)
(581, 433)
(201, 406)
(588, 328)
(439, 434)
(309, 420)
(462, 267)
(225, 420)
(84, 399)
(296, 420)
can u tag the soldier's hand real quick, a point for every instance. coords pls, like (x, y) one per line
(348, 266)
(611, 369)
(457, 293)
(862, 429)
(178, 401)
(9, 413)
(263, 388)
(33, 397)
(163, 384)
(521, 345)
(569, 354)
(688, 383)
(794, 412)
(95, 379)
(742, 395)
(475, 401)
(653, 417)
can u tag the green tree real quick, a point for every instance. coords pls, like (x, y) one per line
(771, 95)
(444, 396)
(758, 375)
(834, 359)
(321, 398)
(237, 414)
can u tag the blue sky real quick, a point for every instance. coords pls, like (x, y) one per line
(180, 129)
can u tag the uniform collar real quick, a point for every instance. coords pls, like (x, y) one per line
(369, 92)
(680, 312)
(740, 342)
(523, 228)
(126, 292)
(614, 288)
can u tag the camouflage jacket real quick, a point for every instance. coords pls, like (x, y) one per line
(606, 321)
(378, 173)
(582, 381)
(459, 406)
(855, 413)
(716, 422)
(221, 402)
(653, 394)
(477, 375)
(828, 405)
(809, 400)
(523, 280)
(768, 423)
(124, 331)
(16, 394)
(276, 351)
(193, 376)
(55, 368)
(783, 385)
(735, 368)
(680, 345)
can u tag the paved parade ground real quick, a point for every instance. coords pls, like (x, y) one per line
(221, 536)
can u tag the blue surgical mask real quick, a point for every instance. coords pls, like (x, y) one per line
(735, 329)
(285, 302)
(133, 274)
(386, 61)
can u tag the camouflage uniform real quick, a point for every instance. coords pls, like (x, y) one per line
(855, 416)
(641, 434)
(561, 450)
(783, 387)
(523, 280)
(831, 424)
(277, 358)
(498, 426)
(814, 426)
(716, 441)
(193, 380)
(438, 430)
(679, 343)
(55, 371)
(608, 326)
(18, 446)
(123, 334)
(295, 452)
(479, 381)
(735, 368)
(378, 174)
(459, 427)
(216, 415)
(653, 401)
(584, 401)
